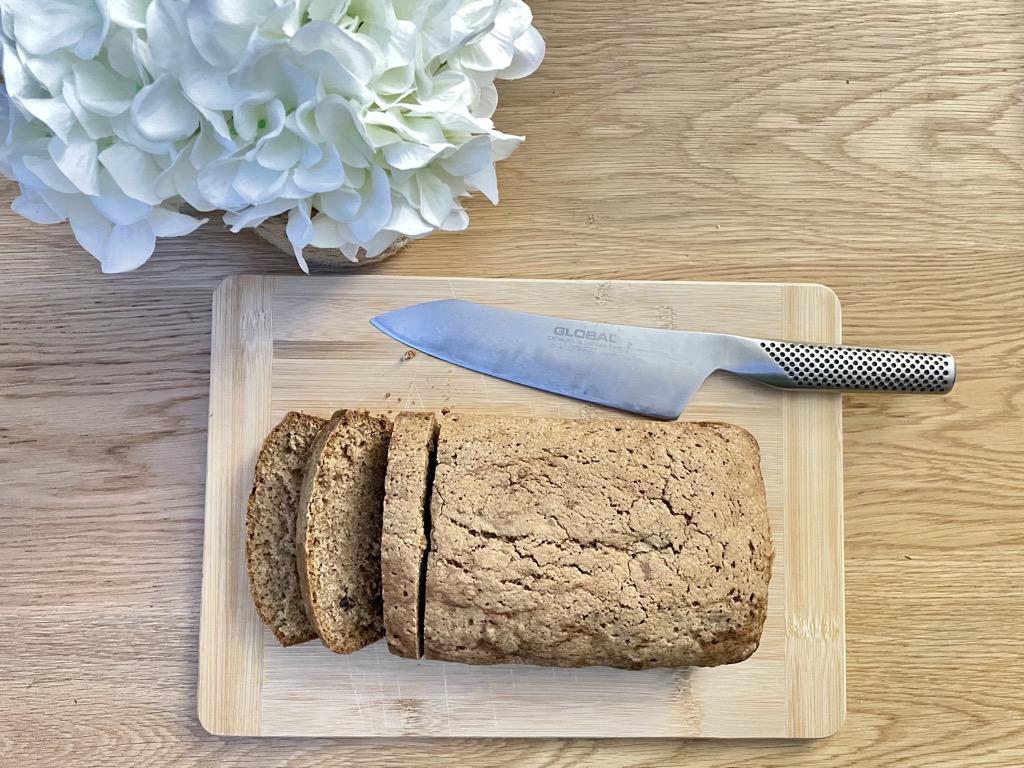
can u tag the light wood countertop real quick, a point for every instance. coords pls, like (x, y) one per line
(875, 147)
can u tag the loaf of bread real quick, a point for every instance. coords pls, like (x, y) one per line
(489, 540)
(628, 544)
(270, 528)
(403, 538)
(338, 530)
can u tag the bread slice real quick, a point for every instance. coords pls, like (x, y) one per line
(629, 544)
(270, 527)
(339, 528)
(404, 535)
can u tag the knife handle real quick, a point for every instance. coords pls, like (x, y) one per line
(836, 367)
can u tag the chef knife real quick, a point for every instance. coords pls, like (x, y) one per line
(650, 371)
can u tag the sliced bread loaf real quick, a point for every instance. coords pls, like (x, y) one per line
(339, 529)
(629, 544)
(404, 535)
(270, 527)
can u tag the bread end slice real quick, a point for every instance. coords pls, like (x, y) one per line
(270, 523)
(339, 528)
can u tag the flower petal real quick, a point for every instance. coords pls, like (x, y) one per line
(90, 125)
(161, 112)
(503, 145)
(326, 10)
(254, 215)
(469, 158)
(121, 210)
(338, 124)
(328, 233)
(258, 185)
(405, 155)
(216, 184)
(130, 14)
(220, 29)
(322, 176)
(134, 171)
(380, 243)
(128, 247)
(340, 204)
(44, 26)
(167, 223)
(435, 199)
(43, 168)
(54, 114)
(356, 53)
(280, 153)
(527, 56)
(50, 71)
(102, 90)
(300, 232)
(486, 181)
(125, 58)
(457, 221)
(407, 220)
(77, 160)
(375, 211)
(485, 102)
(91, 230)
(34, 207)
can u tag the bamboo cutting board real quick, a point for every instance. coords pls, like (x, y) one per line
(284, 343)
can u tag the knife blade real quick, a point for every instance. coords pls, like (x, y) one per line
(650, 371)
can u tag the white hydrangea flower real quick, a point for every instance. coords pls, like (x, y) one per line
(362, 120)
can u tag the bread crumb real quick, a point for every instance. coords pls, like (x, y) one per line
(387, 395)
(409, 354)
(445, 411)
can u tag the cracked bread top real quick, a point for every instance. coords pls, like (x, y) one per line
(629, 544)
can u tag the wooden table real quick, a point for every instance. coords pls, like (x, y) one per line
(877, 147)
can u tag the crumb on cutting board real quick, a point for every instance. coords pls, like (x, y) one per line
(409, 354)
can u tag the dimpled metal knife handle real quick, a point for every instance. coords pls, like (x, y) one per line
(823, 366)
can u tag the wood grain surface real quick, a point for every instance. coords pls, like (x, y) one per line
(875, 146)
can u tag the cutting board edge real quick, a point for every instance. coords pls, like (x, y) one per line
(814, 514)
(241, 354)
(247, 277)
